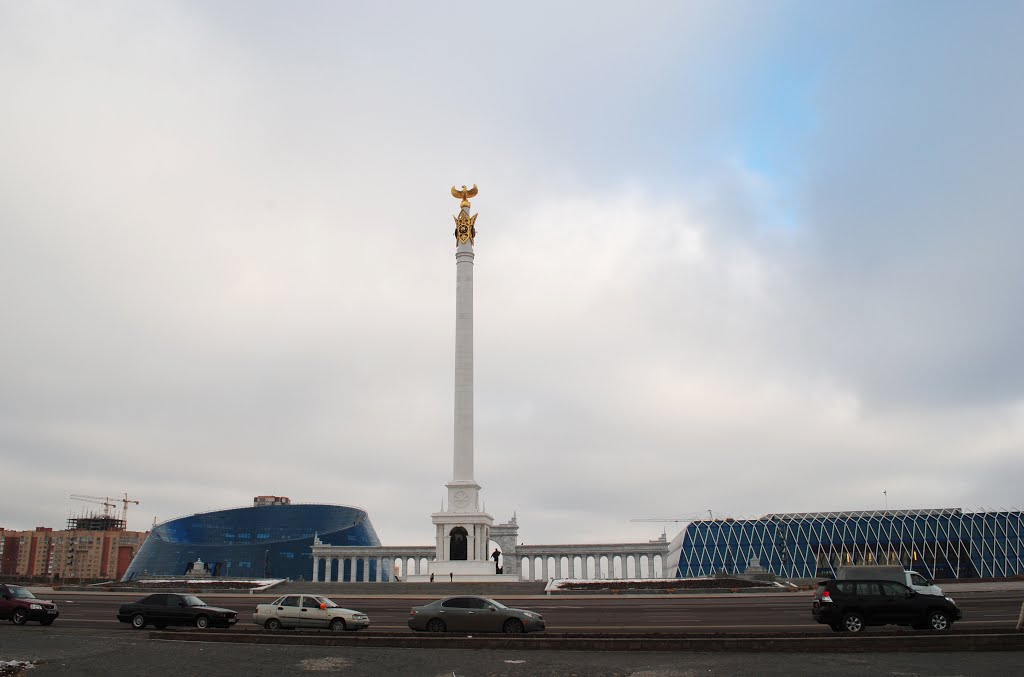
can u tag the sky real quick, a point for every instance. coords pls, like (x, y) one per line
(737, 257)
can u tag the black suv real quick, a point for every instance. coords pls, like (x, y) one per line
(850, 606)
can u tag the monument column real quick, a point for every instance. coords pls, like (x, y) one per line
(463, 516)
(463, 467)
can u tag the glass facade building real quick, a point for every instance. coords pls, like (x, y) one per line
(264, 541)
(942, 543)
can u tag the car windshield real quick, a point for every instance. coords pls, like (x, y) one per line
(192, 600)
(21, 593)
(497, 605)
(330, 603)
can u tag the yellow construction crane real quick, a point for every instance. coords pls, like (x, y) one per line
(107, 502)
(101, 500)
(126, 501)
(675, 520)
(689, 518)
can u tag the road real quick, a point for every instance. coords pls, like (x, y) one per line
(783, 612)
(88, 640)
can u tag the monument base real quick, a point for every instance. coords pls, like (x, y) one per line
(458, 571)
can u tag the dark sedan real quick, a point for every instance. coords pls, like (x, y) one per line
(473, 614)
(163, 609)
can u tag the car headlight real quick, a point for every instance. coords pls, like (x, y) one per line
(530, 614)
(950, 600)
(35, 606)
(359, 617)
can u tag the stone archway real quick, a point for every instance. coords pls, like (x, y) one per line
(459, 548)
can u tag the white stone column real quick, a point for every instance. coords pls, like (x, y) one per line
(650, 566)
(463, 470)
(572, 566)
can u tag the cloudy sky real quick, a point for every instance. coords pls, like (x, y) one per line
(746, 257)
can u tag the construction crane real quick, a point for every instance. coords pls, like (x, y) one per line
(689, 518)
(126, 501)
(101, 500)
(675, 520)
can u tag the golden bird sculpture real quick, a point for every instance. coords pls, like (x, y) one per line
(465, 193)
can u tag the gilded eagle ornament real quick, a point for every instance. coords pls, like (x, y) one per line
(464, 194)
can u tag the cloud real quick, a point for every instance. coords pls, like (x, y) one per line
(752, 261)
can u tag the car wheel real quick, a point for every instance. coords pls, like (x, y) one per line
(513, 626)
(938, 620)
(853, 622)
(436, 625)
(138, 621)
(338, 625)
(19, 617)
(202, 622)
(272, 624)
(48, 621)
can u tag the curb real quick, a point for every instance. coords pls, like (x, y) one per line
(902, 642)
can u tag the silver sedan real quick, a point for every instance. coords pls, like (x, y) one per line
(473, 614)
(308, 611)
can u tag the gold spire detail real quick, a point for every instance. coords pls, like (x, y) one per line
(465, 225)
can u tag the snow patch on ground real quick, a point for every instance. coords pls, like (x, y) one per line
(13, 668)
(329, 664)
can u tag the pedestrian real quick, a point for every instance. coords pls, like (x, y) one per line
(451, 576)
(431, 576)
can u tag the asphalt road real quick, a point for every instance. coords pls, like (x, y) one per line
(116, 652)
(783, 612)
(88, 640)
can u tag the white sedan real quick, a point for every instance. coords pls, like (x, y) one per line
(308, 611)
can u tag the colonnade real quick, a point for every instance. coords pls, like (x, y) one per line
(367, 564)
(611, 564)
(356, 564)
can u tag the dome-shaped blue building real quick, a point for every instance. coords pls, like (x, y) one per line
(271, 539)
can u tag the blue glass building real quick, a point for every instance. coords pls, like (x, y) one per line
(942, 543)
(263, 541)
